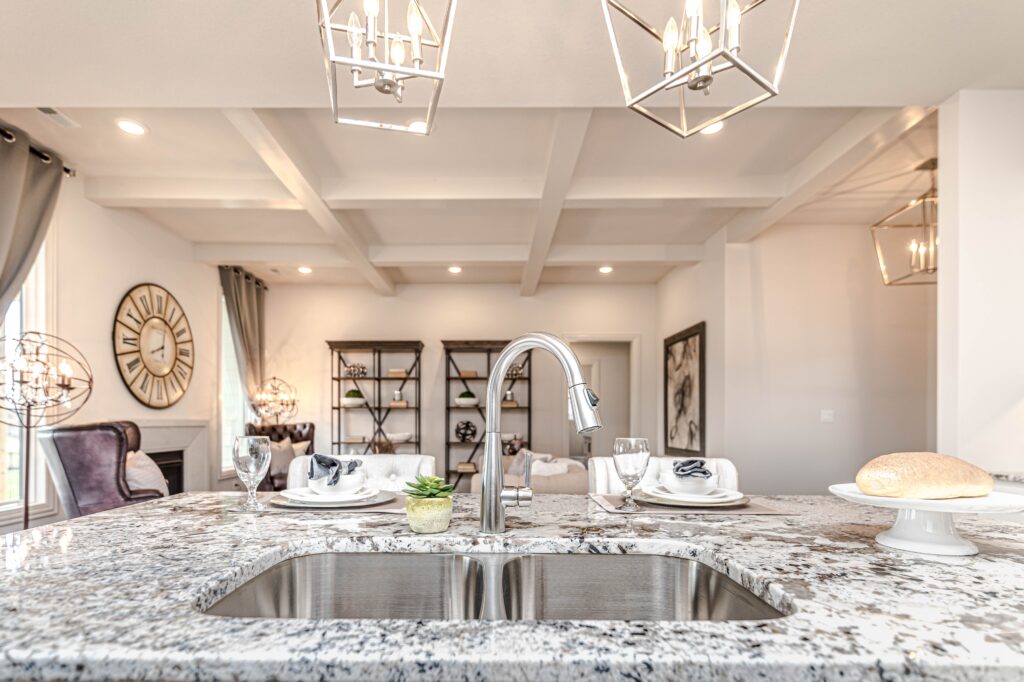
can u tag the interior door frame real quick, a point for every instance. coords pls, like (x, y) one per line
(634, 377)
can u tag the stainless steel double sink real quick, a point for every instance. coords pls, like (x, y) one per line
(493, 587)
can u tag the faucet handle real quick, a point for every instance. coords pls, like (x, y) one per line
(520, 496)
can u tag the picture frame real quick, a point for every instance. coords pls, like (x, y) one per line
(685, 400)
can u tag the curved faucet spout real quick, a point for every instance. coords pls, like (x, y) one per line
(582, 401)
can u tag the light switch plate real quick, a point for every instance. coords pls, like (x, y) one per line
(828, 416)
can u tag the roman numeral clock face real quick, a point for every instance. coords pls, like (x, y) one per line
(153, 345)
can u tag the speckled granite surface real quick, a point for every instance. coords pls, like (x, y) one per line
(1010, 476)
(117, 596)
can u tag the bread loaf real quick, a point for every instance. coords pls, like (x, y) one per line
(923, 476)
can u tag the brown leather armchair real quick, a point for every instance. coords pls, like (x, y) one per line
(301, 431)
(87, 464)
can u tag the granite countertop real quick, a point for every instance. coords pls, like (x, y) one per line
(1010, 476)
(118, 596)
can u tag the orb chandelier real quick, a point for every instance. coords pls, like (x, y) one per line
(375, 52)
(696, 55)
(43, 380)
(277, 398)
(907, 240)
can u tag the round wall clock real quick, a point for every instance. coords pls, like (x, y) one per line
(153, 346)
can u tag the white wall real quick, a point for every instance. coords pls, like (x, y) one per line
(302, 317)
(981, 330)
(807, 325)
(101, 254)
(609, 364)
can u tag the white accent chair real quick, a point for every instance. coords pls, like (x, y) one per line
(604, 480)
(387, 472)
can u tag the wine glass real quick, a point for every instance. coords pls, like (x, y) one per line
(631, 456)
(251, 455)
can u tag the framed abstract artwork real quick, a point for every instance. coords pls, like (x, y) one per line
(684, 392)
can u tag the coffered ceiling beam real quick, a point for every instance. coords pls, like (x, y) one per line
(263, 133)
(443, 255)
(657, 192)
(435, 193)
(430, 191)
(606, 254)
(852, 146)
(123, 192)
(566, 142)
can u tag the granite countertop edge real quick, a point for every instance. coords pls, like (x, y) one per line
(858, 610)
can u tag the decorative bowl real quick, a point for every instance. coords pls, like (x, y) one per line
(403, 437)
(345, 485)
(467, 402)
(691, 485)
(353, 402)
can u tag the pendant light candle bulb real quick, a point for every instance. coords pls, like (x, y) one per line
(371, 8)
(704, 44)
(733, 17)
(694, 11)
(415, 23)
(413, 19)
(397, 52)
(670, 42)
(355, 31)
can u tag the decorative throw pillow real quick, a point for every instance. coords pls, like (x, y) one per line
(281, 455)
(300, 448)
(143, 473)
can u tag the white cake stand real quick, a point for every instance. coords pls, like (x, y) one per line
(926, 526)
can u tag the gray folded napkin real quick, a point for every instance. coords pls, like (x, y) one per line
(322, 465)
(690, 468)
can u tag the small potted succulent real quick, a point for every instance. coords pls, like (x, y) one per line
(467, 399)
(428, 504)
(353, 398)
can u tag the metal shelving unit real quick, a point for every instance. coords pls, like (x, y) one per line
(377, 388)
(484, 352)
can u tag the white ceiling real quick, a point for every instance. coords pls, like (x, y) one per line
(534, 170)
(526, 53)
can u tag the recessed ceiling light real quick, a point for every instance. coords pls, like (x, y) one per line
(605, 269)
(455, 269)
(131, 127)
(713, 128)
(305, 270)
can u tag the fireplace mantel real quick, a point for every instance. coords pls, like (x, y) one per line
(192, 436)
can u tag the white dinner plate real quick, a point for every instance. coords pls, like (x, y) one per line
(308, 495)
(702, 501)
(381, 497)
(716, 496)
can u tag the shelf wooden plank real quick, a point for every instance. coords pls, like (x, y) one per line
(383, 346)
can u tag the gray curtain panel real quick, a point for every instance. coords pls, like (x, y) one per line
(244, 294)
(29, 187)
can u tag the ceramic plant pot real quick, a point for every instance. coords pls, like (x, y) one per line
(428, 514)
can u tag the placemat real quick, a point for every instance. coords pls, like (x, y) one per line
(610, 503)
(395, 506)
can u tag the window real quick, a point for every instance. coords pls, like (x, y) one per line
(28, 312)
(234, 404)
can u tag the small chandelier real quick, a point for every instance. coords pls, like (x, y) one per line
(907, 240)
(276, 399)
(377, 53)
(692, 62)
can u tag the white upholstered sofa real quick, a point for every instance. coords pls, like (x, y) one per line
(386, 472)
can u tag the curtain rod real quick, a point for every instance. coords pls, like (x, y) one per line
(9, 136)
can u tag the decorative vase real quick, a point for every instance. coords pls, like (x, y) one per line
(428, 514)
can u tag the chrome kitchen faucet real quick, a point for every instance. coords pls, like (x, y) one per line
(494, 497)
